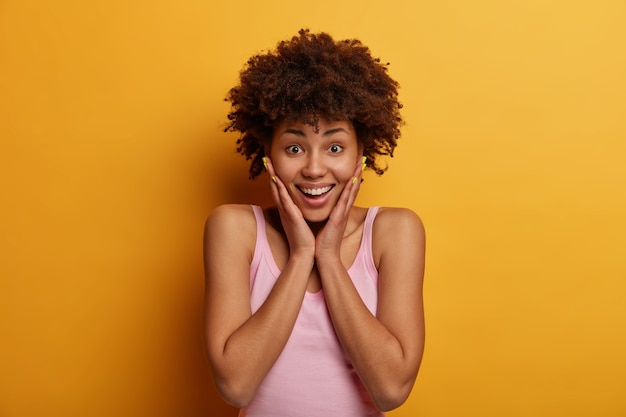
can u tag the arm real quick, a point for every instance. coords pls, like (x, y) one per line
(385, 349)
(243, 347)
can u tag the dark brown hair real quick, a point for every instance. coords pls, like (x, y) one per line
(313, 76)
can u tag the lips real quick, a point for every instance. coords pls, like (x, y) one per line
(314, 197)
(315, 192)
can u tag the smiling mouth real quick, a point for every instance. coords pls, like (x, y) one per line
(316, 192)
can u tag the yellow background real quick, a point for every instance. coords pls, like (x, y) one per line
(112, 154)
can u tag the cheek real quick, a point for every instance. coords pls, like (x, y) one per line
(285, 169)
(344, 171)
(281, 169)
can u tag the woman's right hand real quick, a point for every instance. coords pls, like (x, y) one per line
(299, 235)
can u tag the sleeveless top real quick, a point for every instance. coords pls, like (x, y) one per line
(312, 377)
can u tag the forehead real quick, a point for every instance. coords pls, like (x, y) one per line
(323, 127)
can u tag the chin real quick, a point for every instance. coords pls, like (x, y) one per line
(316, 216)
(316, 221)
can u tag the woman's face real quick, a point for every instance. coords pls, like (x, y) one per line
(315, 166)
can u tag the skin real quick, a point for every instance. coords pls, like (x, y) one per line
(314, 240)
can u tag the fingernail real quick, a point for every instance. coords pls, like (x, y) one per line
(364, 159)
(264, 162)
(364, 164)
(276, 182)
(353, 180)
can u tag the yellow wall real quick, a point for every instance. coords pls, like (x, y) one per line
(112, 154)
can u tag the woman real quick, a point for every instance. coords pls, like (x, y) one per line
(314, 306)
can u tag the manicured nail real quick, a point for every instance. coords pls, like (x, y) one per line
(353, 180)
(364, 164)
(274, 179)
(364, 159)
(264, 162)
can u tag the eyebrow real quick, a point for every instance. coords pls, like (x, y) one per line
(294, 132)
(301, 133)
(335, 130)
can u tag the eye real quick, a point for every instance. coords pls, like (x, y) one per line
(294, 149)
(335, 148)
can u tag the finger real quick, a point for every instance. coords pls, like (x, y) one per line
(269, 167)
(273, 181)
(341, 211)
(356, 181)
(283, 199)
(351, 190)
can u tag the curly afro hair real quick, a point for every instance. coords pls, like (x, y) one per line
(313, 76)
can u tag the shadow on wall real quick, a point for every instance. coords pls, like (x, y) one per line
(243, 190)
(201, 397)
(228, 182)
(219, 182)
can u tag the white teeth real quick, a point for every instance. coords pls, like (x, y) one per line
(316, 191)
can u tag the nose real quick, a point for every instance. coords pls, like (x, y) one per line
(314, 166)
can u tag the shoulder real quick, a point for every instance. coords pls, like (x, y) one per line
(231, 223)
(231, 213)
(392, 220)
(397, 232)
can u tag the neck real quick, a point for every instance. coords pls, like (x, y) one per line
(316, 226)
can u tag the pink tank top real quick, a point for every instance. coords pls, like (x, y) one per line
(312, 377)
